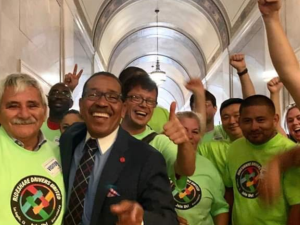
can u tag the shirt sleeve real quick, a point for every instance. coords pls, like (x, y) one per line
(219, 204)
(169, 151)
(291, 184)
(226, 177)
(203, 149)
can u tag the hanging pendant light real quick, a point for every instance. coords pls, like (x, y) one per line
(158, 76)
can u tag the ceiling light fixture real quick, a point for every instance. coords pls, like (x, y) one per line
(158, 76)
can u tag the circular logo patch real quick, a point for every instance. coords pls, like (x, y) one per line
(187, 198)
(36, 200)
(247, 179)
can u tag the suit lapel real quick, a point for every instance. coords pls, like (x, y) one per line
(111, 172)
(68, 142)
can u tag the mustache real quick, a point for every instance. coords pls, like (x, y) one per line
(255, 133)
(101, 110)
(18, 121)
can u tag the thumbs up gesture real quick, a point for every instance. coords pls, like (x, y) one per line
(174, 129)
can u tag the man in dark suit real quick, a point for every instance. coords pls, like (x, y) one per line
(110, 177)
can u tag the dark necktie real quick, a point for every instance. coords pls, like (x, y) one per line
(74, 212)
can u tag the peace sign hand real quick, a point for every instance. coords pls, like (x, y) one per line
(72, 79)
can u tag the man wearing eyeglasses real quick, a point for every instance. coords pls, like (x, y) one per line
(59, 102)
(110, 177)
(140, 96)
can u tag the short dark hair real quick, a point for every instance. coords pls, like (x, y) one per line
(144, 81)
(73, 111)
(258, 100)
(102, 73)
(131, 71)
(229, 102)
(208, 97)
(61, 84)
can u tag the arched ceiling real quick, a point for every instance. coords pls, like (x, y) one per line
(192, 34)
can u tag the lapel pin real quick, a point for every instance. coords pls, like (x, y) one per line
(122, 159)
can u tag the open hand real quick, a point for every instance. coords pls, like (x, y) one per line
(270, 186)
(195, 85)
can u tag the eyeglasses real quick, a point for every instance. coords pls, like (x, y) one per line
(139, 99)
(56, 93)
(96, 95)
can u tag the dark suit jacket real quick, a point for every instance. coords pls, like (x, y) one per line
(142, 178)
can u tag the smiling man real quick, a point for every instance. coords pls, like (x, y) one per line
(103, 165)
(140, 94)
(30, 174)
(59, 102)
(245, 161)
(216, 151)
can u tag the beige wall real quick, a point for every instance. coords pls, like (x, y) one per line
(30, 32)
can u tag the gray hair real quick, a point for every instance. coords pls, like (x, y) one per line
(190, 115)
(20, 82)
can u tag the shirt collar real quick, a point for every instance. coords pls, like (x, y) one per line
(52, 125)
(105, 143)
(41, 140)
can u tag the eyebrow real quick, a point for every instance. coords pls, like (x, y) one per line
(33, 101)
(109, 90)
(12, 102)
(16, 102)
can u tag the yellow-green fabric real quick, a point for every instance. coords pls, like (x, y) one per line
(159, 118)
(51, 135)
(203, 197)
(217, 134)
(216, 152)
(32, 187)
(169, 151)
(244, 164)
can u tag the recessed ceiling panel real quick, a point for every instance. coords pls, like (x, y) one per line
(186, 18)
(147, 46)
(234, 8)
(90, 9)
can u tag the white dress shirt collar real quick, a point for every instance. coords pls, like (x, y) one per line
(106, 142)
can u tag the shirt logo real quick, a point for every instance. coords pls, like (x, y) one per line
(36, 200)
(188, 197)
(247, 179)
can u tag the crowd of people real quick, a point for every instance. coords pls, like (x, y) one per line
(121, 159)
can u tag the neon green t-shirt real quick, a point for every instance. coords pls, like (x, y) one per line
(216, 152)
(32, 187)
(169, 151)
(159, 118)
(51, 135)
(244, 164)
(217, 134)
(203, 197)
